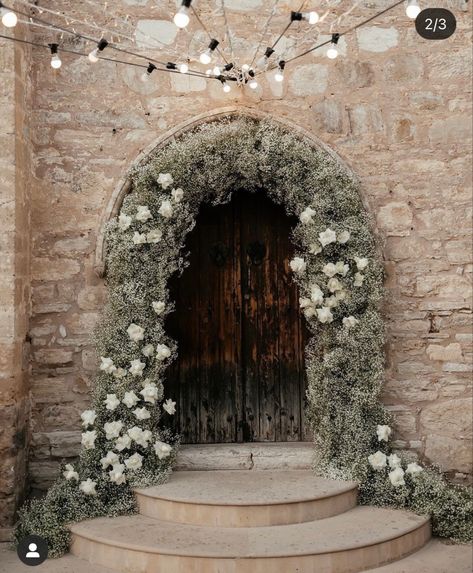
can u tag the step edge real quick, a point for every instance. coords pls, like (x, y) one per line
(183, 553)
(347, 489)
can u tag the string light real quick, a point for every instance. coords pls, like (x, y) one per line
(226, 87)
(264, 61)
(145, 77)
(413, 9)
(94, 54)
(183, 68)
(9, 18)
(182, 19)
(332, 51)
(245, 68)
(55, 59)
(216, 71)
(279, 75)
(206, 57)
(253, 82)
(311, 17)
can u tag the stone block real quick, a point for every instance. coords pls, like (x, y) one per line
(46, 269)
(310, 79)
(448, 353)
(51, 356)
(155, 32)
(328, 116)
(365, 119)
(395, 218)
(92, 298)
(356, 74)
(375, 39)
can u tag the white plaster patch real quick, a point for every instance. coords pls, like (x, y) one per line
(374, 39)
(159, 31)
(309, 79)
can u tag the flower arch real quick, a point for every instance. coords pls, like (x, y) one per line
(340, 276)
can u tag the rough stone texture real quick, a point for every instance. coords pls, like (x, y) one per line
(399, 117)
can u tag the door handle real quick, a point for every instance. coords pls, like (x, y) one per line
(256, 251)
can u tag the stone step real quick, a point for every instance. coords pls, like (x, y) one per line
(246, 498)
(354, 541)
(249, 456)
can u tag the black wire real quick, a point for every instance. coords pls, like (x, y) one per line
(82, 54)
(222, 55)
(90, 39)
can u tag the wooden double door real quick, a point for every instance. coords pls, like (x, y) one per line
(239, 376)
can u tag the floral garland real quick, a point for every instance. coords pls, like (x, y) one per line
(340, 276)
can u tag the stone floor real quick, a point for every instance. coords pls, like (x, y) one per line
(435, 557)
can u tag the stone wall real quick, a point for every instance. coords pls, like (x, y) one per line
(14, 281)
(396, 108)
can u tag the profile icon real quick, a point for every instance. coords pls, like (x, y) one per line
(32, 550)
(32, 553)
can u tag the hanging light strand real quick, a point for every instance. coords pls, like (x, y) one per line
(204, 27)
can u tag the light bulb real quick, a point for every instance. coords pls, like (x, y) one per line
(216, 71)
(93, 56)
(56, 62)
(253, 84)
(9, 18)
(413, 9)
(332, 52)
(183, 68)
(208, 72)
(262, 62)
(181, 19)
(205, 57)
(226, 88)
(145, 77)
(245, 68)
(279, 76)
(312, 17)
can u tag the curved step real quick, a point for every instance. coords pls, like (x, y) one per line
(246, 498)
(363, 537)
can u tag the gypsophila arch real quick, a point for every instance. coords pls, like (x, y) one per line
(340, 277)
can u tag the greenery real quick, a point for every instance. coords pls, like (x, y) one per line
(344, 362)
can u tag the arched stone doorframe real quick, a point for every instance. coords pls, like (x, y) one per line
(124, 185)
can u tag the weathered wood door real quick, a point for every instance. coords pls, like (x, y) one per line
(239, 376)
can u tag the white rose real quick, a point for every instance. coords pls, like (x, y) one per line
(327, 237)
(165, 180)
(310, 311)
(139, 238)
(315, 249)
(116, 474)
(88, 487)
(359, 278)
(124, 221)
(330, 270)
(166, 209)
(342, 268)
(88, 418)
(109, 460)
(137, 367)
(349, 322)
(154, 236)
(111, 402)
(162, 352)
(88, 440)
(70, 473)
(148, 350)
(394, 461)
(143, 213)
(413, 469)
(341, 295)
(112, 429)
(331, 301)
(134, 462)
(135, 332)
(324, 314)
(306, 216)
(123, 443)
(141, 413)
(120, 373)
(361, 263)
(162, 450)
(130, 399)
(396, 477)
(305, 302)
(343, 237)
(177, 195)
(298, 265)
(383, 433)
(170, 406)
(107, 365)
(334, 284)
(377, 460)
(140, 436)
(158, 307)
(316, 295)
(150, 393)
